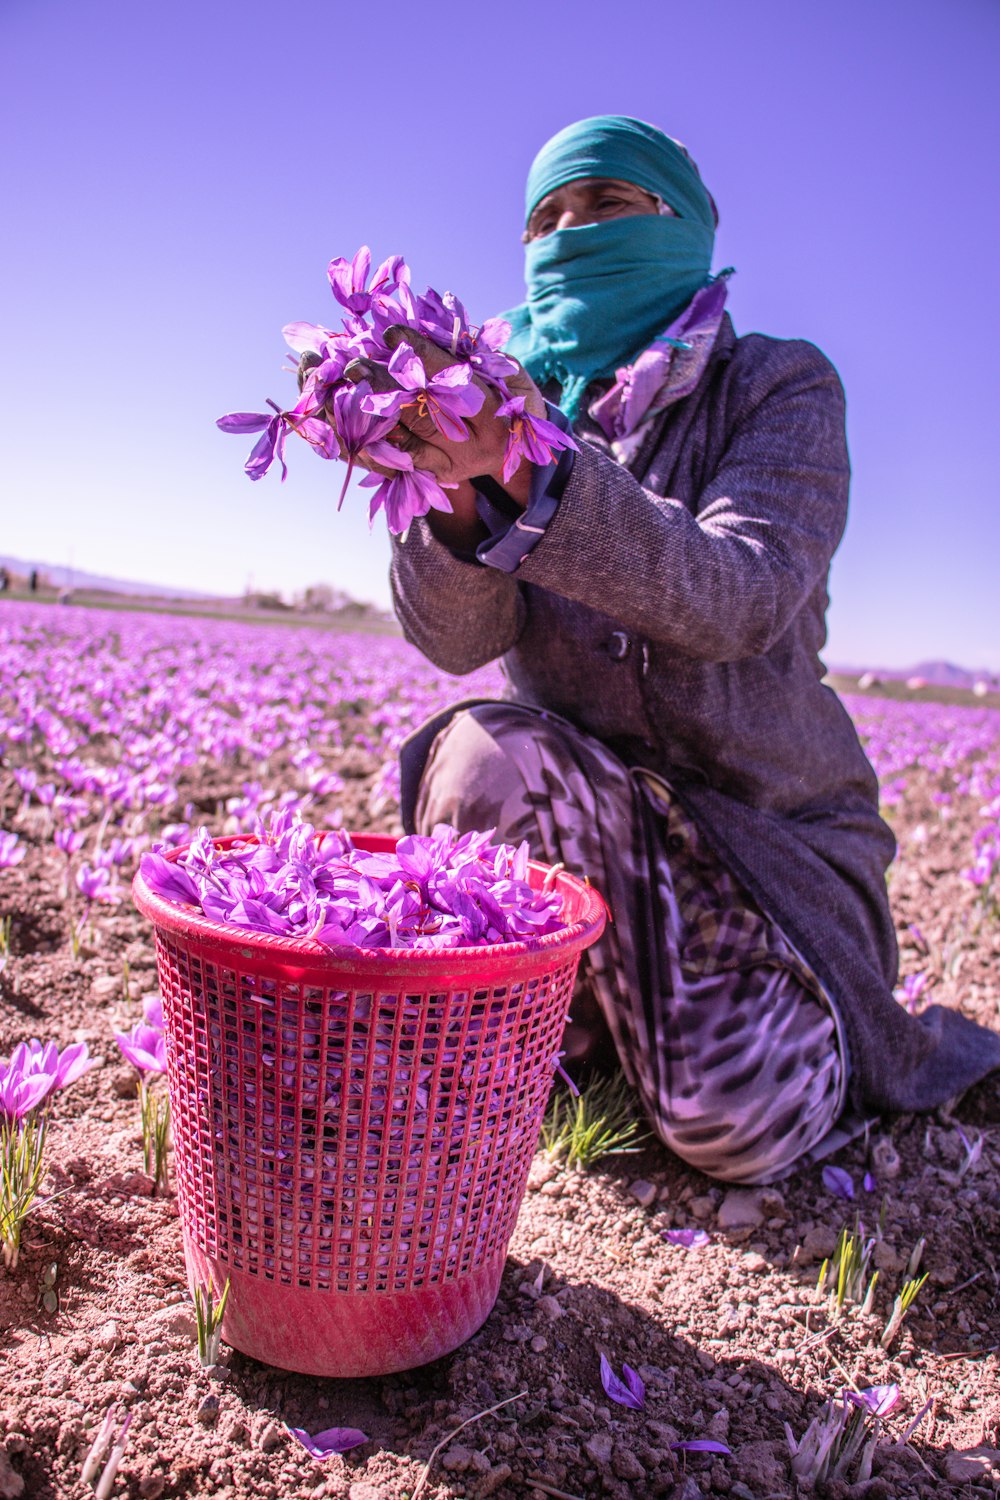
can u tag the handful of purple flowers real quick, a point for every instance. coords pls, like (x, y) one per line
(343, 419)
(441, 890)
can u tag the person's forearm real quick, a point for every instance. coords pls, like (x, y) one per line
(724, 582)
(461, 615)
(462, 530)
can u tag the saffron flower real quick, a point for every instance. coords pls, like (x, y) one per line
(12, 851)
(911, 990)
(43, 1068)
(94, 882)
(361, 430)
(403, 497)
(144, 1047)
(19, 1095)
(30, 1076)
(349, 280)
(341, 419)
(878, 1399)
(530, 437)
(444, 398)
(269, 446)
(628, 1392)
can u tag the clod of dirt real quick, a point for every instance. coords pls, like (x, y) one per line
(818, 1245)
(178, 1319)
(11, 1483)
(973, 1463)
(740, 1209)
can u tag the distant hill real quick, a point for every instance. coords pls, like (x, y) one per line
(320, 600)
(946, 674)
(61, 578)
(933, 673)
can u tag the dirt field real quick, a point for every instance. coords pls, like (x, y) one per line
(732, 1339)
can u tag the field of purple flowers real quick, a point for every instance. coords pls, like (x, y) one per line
(739, 1316)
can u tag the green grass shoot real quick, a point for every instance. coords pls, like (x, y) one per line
(603, 1119)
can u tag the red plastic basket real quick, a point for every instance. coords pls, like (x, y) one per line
(353, 1129)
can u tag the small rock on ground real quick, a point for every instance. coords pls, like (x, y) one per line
(644, 1192)
(208, 1411)
(740, 1209)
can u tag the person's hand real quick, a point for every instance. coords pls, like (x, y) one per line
(454, 464)
(482, 452)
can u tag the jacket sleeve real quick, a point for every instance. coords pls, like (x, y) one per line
(459, 614)
(726, 581)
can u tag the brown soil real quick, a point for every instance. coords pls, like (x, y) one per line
(732, 1340)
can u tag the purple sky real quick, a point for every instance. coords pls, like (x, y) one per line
(182, 173)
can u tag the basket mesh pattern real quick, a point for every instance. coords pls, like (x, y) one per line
(335, 1139)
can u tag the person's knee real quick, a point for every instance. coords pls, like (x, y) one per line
(470, 774)
(750, 1141)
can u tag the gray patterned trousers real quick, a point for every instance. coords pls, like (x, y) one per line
(730, 1040)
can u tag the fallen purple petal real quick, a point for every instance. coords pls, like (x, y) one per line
(688, 1239)
(331, 1441)
(699, 1445)
(629, 1392)
(838, 1182)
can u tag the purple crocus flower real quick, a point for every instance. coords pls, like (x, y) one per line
(361, 430)
(405, 496)
(628, 1392)
(19, 1095)
(349, 280)
(35, 1071)
(69, 840)
(144, 1047)
(333, 1440)
(838, 1182)
(269, 446)
(12, 851)
(530, 437)
(690, 1239)
(95, 884)
(911, 990)
(274, 432)
(152, 1009)
(917, 935)
(445, 398)
(878, 1399)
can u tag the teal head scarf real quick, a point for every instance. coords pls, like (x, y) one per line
(600, 293)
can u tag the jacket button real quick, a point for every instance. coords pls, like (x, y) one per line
(619, 645)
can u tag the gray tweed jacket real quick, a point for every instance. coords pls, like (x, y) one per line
(676, 610)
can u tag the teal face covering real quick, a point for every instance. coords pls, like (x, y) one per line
(598, 294)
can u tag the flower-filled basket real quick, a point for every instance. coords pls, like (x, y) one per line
(353, 1127)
